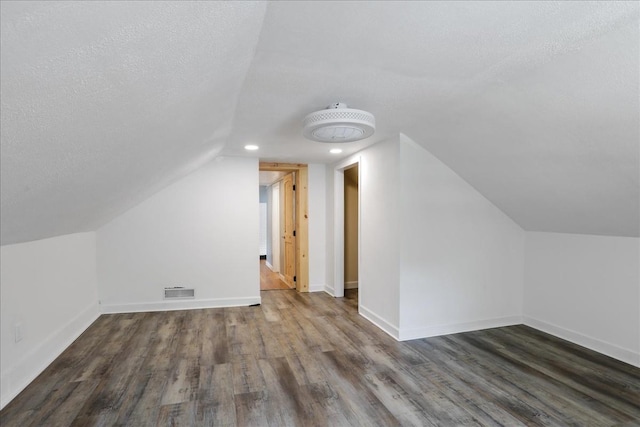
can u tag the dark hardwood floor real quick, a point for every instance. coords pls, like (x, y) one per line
(311, 360)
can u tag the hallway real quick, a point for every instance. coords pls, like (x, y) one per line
(269, 280)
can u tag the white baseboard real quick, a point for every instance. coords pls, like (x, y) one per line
(330, 290)
(379, 321)
(351, 285)
(269, 266)
(436, 330)
(626, 355)
(16, 378)
(316, 288)
(179, 305)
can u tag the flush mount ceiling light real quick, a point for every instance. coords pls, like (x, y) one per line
(338, 123)
(335, 151)
(251, 147)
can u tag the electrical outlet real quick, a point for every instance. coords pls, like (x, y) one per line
(18, 331)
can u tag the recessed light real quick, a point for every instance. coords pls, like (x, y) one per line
(251, 147)
(335, 151)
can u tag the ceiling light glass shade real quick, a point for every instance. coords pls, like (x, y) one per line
(338, 123)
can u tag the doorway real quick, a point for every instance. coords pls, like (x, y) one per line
(351, 202)
(271, 280)
(287, 251)
(270, 271)
(339, 249)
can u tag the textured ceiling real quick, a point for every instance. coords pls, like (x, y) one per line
(536, 104)
(104, 103)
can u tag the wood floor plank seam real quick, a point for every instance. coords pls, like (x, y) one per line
(572, 380)
(537, 381)
(312, 360)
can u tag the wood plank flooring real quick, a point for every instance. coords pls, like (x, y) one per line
(269, 280)
(311, 360)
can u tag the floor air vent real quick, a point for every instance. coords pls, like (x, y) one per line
(171, 293)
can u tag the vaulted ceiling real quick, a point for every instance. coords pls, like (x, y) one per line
(535, 104)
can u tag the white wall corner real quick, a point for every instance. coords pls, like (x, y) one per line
(317, 288)
(180, 305)
(584, 289)
(330, 290)
(34, 362)
(381, 323)
(184, 236)
(626, 355)
(406, 334)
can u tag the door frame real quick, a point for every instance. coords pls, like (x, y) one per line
(338, 225)
(301, 220)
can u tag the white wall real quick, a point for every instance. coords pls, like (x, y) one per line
(379, 233)
(329, 265)
(585, 289)
(317, 226)
(50, 287)
(461, 258)
(379, 259)
(200, 232)
(438, 258)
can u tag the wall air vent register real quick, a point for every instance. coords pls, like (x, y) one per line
(179, 292)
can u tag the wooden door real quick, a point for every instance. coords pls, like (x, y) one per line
(288, 230)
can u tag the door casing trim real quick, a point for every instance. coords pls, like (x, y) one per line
(302, 218)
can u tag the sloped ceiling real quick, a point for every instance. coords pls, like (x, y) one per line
(536, 104)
